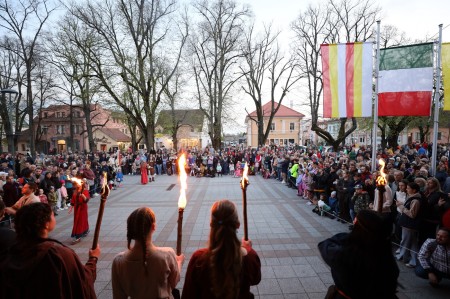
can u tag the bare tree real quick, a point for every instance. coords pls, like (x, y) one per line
(44, 90)
(264, 60)
(17, 17)
(215, 47)
(343, 21)
(71, 46)
(139, 51)
(177, 117)
(12, 75)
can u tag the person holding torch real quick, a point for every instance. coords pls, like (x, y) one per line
(78, 203)
(145, 270)
(226, 268)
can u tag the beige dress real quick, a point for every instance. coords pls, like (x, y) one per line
(129, 278)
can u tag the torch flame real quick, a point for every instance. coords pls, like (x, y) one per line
(183, 177)
(105, 184)
(381, 179)
(244, 176)
(77, 181)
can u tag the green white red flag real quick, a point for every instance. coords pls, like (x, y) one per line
(405, 80)
(347, 79)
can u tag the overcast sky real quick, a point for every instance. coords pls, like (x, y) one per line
(416, 17)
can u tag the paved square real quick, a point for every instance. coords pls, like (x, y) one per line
(282, 227)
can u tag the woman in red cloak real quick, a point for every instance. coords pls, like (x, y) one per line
(78, 203)
(144, 173)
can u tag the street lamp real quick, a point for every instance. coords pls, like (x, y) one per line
(11, 132)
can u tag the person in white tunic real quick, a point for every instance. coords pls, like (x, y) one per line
(145, 270)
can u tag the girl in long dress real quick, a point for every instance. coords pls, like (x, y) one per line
(144, 173)
(78, 204)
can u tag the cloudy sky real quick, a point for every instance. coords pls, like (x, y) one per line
(417, 18)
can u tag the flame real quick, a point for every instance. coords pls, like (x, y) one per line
(244, 175)
(183, 181)
(77, 181)
(105, 184)
(381, 179)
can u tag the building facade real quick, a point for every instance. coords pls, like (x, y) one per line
(191, 129)
(53, 128)
(286, 127)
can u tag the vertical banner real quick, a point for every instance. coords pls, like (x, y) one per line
(445, 50)
(347, 79)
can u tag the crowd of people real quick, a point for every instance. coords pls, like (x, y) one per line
(411, 209)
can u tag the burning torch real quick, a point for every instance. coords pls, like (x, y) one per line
(181, 200)
(381, 186)
(244, 183)
(104, 196)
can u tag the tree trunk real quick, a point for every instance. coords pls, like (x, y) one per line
(30, 109)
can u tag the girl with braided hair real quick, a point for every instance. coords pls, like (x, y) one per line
(145, 270)
(227, 268)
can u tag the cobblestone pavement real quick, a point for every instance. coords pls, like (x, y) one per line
(282, 227)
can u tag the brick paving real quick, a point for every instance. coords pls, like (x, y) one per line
(282, 227)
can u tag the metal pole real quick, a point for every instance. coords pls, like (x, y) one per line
(375, 108)
(436, 104)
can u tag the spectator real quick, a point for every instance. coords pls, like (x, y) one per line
(28, 198)
(433, 258)
(409, 220)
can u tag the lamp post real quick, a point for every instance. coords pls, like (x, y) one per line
(11, 115)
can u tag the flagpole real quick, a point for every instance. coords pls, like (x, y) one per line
(375, 110)
(436, 104)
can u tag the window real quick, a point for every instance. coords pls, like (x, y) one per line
(44, 130)
(63, 114)
(272, 126)
(45, 114)
(59, 129)
(76, 129)
(292, 126)
(417, 134)
(58, 114)
(439, 136)
(361, 140)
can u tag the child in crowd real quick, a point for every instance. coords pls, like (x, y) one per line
(42, 196)
(231, 169)
(119, 177)
(133, 169)
(219, 170)
(53, 199)
(238, 170)
(324, 209)
(64, 195)
(299, 183)
(333, 203)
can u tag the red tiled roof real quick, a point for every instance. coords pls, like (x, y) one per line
(116, 134)
(283, 111)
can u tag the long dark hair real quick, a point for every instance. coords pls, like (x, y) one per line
(139, 225)
(225, 257)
